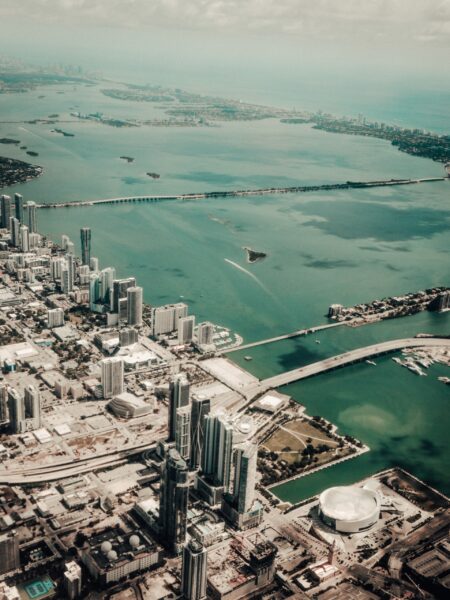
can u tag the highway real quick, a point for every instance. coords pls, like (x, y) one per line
(341, 360)
(70, 467)
(233, 400)
(233, 193)
(240, 399)
(286, 336)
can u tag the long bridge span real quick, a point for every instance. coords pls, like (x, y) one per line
(233, 193)
(285, 336)
(353, 356)
(239, 399)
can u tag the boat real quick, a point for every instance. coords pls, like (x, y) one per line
(397, 360)
(248, 358)
(411, 365)
(317, 341)
(371, 362)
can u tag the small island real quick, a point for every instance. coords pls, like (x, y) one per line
(129, 159)
(9, 141)
(253, 256)
(154, 175)
(64, 133)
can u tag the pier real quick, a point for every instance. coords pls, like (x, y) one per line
(234, 193)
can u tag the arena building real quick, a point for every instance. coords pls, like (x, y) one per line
(349, 509)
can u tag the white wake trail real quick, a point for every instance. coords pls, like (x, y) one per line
(253, 276)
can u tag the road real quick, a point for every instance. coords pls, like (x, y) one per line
(285, 336)
(231, 400)
(240, 399)
(257, 192)
(70, 467)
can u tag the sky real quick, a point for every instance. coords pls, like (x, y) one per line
(221, 45)
(408, 21)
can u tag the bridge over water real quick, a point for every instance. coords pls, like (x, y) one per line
(285, 336)
(234, 193)
(240, 399)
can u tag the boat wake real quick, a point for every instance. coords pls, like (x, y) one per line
(252, 275)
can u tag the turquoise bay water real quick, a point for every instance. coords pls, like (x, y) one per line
(346, 247)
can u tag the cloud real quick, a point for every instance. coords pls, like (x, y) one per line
(425, 21)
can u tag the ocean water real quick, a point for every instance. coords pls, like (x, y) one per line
(340, 246)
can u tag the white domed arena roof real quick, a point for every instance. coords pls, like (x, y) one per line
(349, 503)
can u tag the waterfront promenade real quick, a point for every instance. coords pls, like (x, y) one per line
(234, 193)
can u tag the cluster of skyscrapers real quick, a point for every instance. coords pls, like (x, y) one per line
(23, 235)
(209, 454)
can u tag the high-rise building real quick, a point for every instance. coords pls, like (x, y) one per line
(32, 401)
(70, 260)
(84, 274)
(72, 580)
(3, 403)
(107, 277)
(93, 264)
(165, 318)
(194, 571)
(94, 291)
(204, 333)
(178, 397)
(55, 317)
(24, 238)
(183, 431)
(9, 552)
(70, 248)
(119, 292)
(134, 306)
(66, 283)
(65, 239)
(14, 227)
(173, 501)
(244, 459)
(18, 199)
(122, 313)
(6, 211)
(16, 408)
(239, 505)
(200, 408)
(32, 220)
(186, 329)
(56, 263)
(85, 237)
(112, 376)
(35, 240)
(217, 452)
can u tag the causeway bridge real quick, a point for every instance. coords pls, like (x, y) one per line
(249, 192)
(353, 356)
(239, 399)
(285, 336)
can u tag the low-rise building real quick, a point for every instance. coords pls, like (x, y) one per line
(113, 554)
